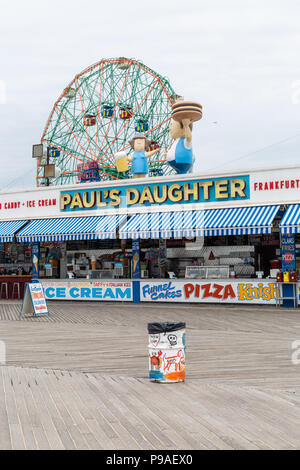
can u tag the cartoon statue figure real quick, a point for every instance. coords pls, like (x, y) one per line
(181, 155)
(139, 156)
(184, 113)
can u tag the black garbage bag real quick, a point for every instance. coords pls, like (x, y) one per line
(165, 327)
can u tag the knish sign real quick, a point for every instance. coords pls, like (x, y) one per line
(194, 191)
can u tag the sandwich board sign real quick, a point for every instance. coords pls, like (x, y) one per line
(34, 300)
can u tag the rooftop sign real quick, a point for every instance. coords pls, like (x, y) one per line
(169, 193)
(179, 192)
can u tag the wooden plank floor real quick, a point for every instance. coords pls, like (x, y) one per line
(78, 379)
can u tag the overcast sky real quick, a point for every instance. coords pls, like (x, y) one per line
(240, 59)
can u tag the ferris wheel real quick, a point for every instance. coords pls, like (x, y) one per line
(96, 116)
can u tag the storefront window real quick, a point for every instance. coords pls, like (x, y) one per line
(97, 259)
(15, 259)
(239, 256)
(51, 259)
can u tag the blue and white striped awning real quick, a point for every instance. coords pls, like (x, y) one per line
(71, 228)
(290, 222)
(214, 222)
(9, 228)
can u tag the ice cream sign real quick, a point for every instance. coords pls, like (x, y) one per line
(88, 290)
(26, 204)
(35, 260)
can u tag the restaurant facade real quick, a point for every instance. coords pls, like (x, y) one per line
(230, 237)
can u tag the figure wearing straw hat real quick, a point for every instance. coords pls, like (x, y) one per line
(138, 158)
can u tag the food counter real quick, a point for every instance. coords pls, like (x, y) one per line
(245, 291)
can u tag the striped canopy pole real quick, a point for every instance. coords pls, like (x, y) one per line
(136, 259)
(35, 252)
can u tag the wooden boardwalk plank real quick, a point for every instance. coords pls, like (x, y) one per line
(78, 379)
(16, 432)
(24, 415)
(5, 437)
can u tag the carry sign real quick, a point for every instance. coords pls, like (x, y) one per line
(34, 300)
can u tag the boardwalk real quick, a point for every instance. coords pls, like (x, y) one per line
(78, 380)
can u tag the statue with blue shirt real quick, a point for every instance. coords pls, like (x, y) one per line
(139, 157)
(181, 157)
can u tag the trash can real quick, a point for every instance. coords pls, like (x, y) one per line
(166, 352)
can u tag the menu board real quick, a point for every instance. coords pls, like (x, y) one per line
(288, 252)
(34, 300)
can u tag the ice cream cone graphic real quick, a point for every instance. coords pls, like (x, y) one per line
(135, 261)
(35, 262)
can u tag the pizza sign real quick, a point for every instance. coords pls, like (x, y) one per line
(288, 257)
(288, 252)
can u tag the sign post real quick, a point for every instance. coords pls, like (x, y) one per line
(288, 256)
(136, 270)
(35, 260)
(288, 252)
(162, 257)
